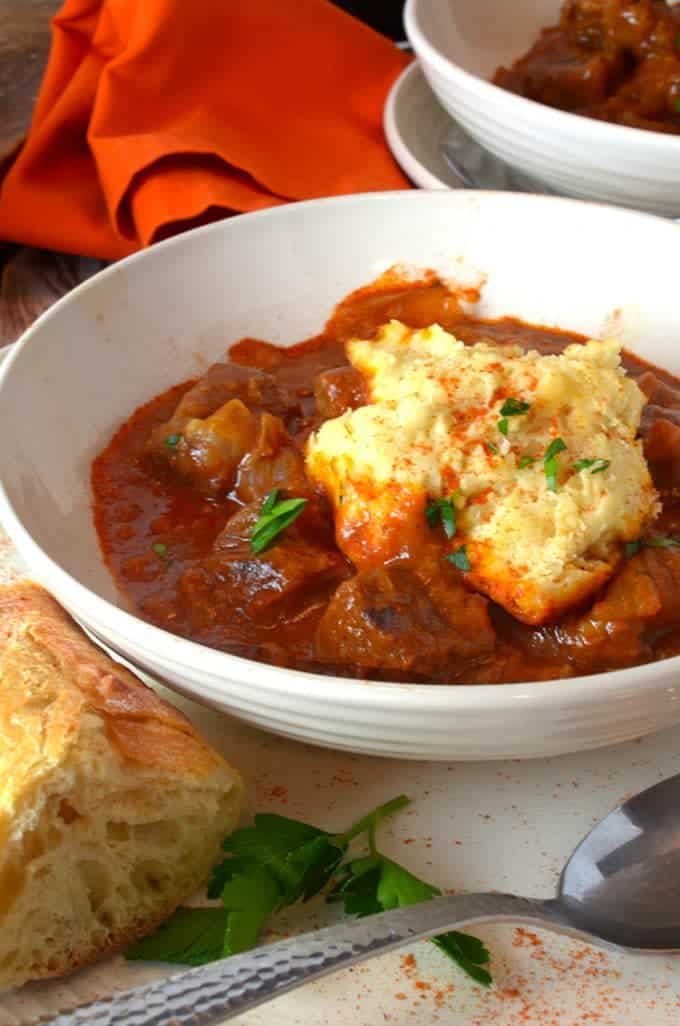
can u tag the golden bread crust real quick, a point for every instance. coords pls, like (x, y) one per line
(112, 806)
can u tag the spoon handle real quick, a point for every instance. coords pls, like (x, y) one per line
(221, 990)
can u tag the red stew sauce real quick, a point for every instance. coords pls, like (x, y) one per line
(616, 60)
(175, 523)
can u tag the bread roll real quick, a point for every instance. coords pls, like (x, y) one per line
(112, 807)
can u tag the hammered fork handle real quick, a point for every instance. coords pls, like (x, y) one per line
(214, 993)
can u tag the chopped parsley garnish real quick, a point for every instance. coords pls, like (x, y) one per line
(492, 448)
(459, 558)
(594, 466)
(511, 408)
(278, 861)
(514, 407)
(160, 549)
(444, 511)
(526, 461)
(172, 441)
(660, 541)
(676, 104)
(274, 518)
(557, 446)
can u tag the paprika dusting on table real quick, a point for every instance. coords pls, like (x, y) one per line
(214, 530)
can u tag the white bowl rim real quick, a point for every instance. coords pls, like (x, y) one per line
(571, 692)
(401, 152)
(604, 130)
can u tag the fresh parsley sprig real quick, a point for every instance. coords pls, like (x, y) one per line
(278, 861)
(274, 518)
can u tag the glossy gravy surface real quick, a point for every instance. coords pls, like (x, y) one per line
(180, 558)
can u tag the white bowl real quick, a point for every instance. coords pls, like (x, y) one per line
(157, 317)
(461, 43)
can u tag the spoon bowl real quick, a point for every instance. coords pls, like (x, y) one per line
(622, 882)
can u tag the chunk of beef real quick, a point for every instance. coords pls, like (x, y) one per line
(563, 74)
(641, 600)
(293, 573)
(386, 618)
(209, 450)
(222, 384)
(337, 390)
(274, 461)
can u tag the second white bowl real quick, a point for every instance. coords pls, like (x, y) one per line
(461, 43)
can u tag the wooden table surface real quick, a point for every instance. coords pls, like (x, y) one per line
(30, 279)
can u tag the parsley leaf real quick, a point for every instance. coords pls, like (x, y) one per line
(300, 858)
(557, 446)
(469, 952)
(492, 448)
(631, 548)
(514, 407)
(459, 558)
(503, 426)
(442, 510)
(526, 461)
(191, 936)
(377, 884)
(172, 441)
(594, 466)
(274, 517)
(250, 898)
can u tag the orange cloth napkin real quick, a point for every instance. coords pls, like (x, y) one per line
(155, 115)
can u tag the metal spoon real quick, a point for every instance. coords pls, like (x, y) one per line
(476, 168)
(619, 890)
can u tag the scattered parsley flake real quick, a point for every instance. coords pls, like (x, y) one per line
(596, 466)
(503, 426)
(557, 446)
(459, 558)
(526, 461)
(662, 541)
(160, 549)
(172, 441)
(274, 518)
(659, 541)
(514, 407)
(444, 511)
